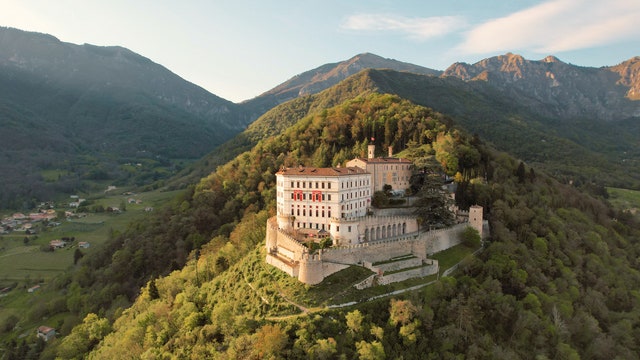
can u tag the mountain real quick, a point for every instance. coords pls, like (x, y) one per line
(556, 279)
(325, 76)
(60, 101)
(555, 88)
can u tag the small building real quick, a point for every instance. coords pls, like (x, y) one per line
(84, 244)
(46, 333)
(33, 289)
(57, 244)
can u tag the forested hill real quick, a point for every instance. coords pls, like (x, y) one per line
(586, 151)
(83, 110)
(555, 280)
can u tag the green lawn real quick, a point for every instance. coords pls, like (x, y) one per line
(624, 199)
(27, 263)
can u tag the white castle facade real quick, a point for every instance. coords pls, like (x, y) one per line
(316, 203)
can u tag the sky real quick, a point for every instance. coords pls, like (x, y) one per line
(238, 49)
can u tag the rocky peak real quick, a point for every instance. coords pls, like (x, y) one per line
(563, 89)
(629, 72)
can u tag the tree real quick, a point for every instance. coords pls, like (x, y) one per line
(77, 255)
(370, 351)
(153, 290)
(270, 340)
(434, 202)
(471, 237)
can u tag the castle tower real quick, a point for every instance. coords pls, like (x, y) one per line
(371, 151)
(475, 218)
(390, 151)
(310, 270)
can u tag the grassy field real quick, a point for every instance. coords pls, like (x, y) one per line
(624, 199)
(24, 264)
(22, 260)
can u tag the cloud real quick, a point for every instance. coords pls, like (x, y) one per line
(556, 26)
(415, 28)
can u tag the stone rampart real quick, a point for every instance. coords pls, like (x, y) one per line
(397, 265)
(409, 274)
(313, 268)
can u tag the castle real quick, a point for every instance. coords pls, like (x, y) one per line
(335, 203)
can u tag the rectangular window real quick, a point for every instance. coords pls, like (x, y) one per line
(349, 229)
(304, 185)
(328, 185)
(338, 228)
(316, 184)
(329, 196)
(298, 182)
(323, 184)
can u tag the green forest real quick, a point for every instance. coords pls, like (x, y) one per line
(557, 279)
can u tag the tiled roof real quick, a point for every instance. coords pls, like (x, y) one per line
(312, 171)
(385, 160)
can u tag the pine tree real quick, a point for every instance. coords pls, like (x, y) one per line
(434, 202)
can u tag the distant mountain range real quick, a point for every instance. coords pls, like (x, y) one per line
(74, 108)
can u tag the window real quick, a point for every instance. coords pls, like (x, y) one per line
(298, 182)
(323, 184)
(292, 184)
(304, 185)
(329, 187)
(329, 196)
(349, 228)
(316, 184)
(338, 228)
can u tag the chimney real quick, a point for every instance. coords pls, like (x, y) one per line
(390, 151)
(371, 151)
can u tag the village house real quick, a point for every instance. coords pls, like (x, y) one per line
(57, 244)
(46, 333)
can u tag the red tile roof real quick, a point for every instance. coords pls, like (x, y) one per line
(385, 160)
(312, 171)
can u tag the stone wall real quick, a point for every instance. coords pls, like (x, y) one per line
(312, 269)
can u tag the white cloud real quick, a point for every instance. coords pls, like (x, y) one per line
(555, 26)
(416, 28)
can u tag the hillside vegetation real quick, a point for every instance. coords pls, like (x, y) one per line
(86, 111)
(556, 279)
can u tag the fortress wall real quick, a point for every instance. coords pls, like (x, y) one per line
(409, 274)
(311, 271)
(286, 267)
(397, 265)
(366, 283)
(439, 240)
(374, 251)
(332, 268)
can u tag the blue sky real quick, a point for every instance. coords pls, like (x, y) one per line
(241, 48)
